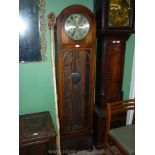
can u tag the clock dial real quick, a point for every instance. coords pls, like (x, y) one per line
(77, 26)
(119, 12)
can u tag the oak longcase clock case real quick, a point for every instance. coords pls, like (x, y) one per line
(76, 34)
(115, 24)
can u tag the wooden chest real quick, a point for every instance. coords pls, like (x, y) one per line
(36, 134)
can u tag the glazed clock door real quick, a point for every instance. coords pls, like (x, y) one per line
(76, 85)
(76, 46)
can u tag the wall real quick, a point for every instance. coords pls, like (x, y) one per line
(35, 79)
(128, 66)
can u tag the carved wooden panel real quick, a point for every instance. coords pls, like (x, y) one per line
(76, 66)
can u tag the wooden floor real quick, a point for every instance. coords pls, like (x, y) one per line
(94, 152)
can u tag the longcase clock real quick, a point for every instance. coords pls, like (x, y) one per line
(76, 34)
(115, 23)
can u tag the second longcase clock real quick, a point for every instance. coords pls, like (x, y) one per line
(115, 23)
(75, 76)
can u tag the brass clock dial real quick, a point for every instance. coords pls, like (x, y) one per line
(77, 26)
(119, 13)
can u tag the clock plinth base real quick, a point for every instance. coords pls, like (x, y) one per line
(76, 142)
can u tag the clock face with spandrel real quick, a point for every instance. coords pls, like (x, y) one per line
(76, 26)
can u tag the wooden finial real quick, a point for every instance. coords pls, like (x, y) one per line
(51, 20)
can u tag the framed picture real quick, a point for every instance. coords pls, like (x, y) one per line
(32, 42)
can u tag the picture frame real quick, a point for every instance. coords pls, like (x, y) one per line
(32, 29)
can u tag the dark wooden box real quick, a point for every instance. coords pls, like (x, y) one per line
(36, 134)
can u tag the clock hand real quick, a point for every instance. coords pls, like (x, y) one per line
(79, 20)
(73, 32)
(80, 31)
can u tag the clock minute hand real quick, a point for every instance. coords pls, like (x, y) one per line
(74, 32)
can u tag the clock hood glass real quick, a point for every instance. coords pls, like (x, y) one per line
(118, 12)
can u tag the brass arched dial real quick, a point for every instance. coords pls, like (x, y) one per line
(119, 12)
(77, 26)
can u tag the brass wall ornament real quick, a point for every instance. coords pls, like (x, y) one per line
(42, 29)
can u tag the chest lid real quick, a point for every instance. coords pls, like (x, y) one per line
(35, 126)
